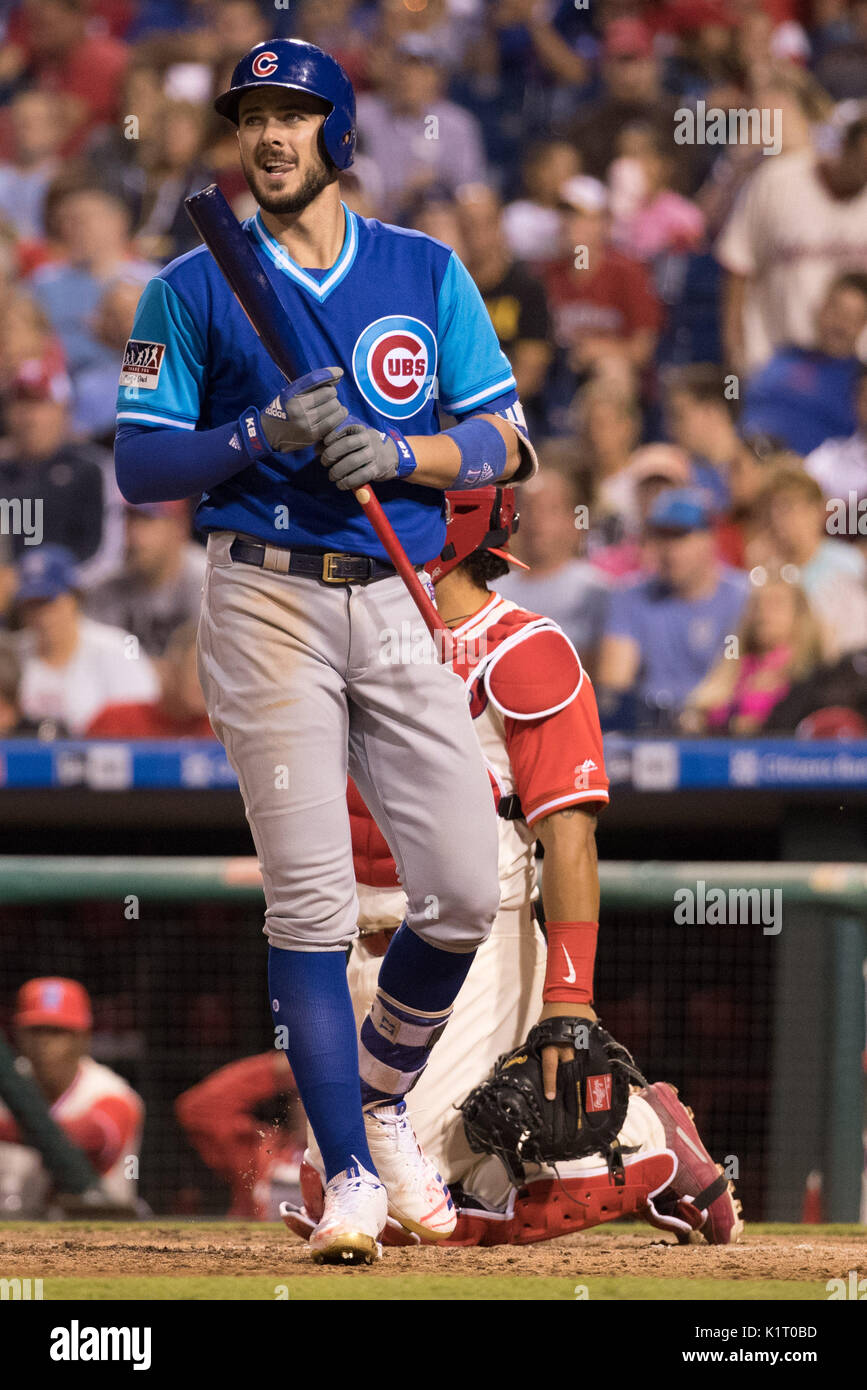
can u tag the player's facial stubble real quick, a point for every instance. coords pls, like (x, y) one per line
(313, 181)
(267, 137)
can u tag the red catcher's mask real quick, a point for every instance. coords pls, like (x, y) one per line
(481, 518)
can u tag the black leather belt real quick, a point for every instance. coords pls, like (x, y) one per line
(332, 566)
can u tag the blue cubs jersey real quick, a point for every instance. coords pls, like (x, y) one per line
(397, 311)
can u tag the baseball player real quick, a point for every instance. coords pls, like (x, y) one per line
(534, 712)
(98, 1110)
(300, 606)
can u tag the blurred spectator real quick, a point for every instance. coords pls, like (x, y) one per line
(739, 530)
(608, 426)
(50, 41)
(25, 336)
(434, 211)
(799, 221)
(832, 573)
(37, 133)
(159, 585)
(246, 1123)
(603, 304)
(176, 167)
(807, 395)
(96, 1109)
(701, 414)
(802, 105)
(342, 28)
(513, 297)
(67, 486)
(842, 61)
(830, 703)
(779, 642)
(559, 584)
(840, 465)
(8, 579)
(92, 229)
(95, 391)
(632, 92)
(12, 722)
(179, 712)
(664, 633)
(413, 133)
(650, 218)
(71, 666)
(533, 225)
(116, 154)
(651, 471)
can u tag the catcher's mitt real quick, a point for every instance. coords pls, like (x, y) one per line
(508, 1114)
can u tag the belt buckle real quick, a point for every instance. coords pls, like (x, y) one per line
(329, 563)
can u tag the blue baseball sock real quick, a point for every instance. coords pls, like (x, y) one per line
(417, 988)
(310, 999)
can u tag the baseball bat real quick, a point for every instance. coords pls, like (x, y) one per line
(79, 1189)
(230, 247)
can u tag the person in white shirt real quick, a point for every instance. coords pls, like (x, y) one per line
(832, 572)
(798, 222)
(71, 666)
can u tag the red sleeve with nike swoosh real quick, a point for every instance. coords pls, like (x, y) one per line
(557, 760)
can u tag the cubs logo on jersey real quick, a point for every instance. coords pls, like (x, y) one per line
(394, 363)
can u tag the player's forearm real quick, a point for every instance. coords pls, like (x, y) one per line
(166, 465)
(439, 458)
(571, 874)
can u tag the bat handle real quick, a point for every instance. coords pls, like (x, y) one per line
(445, 642)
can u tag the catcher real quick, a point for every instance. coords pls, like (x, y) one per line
(564, 1133)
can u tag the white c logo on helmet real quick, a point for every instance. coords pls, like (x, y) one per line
(265, 63)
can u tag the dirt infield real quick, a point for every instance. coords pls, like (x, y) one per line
(172, 1249)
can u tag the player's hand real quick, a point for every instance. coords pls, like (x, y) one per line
(554, 1055)
(305, 412)
(358, 454)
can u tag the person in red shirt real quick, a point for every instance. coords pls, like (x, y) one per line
(49, 40)
(606, 314)
(180, 710)
(94, 1106)
(535, 716)
(222, 1117)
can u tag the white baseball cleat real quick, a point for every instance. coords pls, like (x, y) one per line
(417, 1196)
(356, 1209)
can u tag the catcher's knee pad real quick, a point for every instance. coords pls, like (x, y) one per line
(550, 1207)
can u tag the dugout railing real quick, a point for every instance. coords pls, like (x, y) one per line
(753, 1005)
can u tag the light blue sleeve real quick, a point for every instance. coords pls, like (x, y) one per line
(162, 379)
(472, 369)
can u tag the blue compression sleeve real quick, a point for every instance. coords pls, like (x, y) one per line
(166, 465)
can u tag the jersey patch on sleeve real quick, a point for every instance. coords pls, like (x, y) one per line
(142, 364)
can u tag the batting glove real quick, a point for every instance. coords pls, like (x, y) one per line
(302, 415)
(356, 454)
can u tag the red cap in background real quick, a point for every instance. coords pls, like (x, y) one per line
(38, 379)
(53, 1002)
(625, 38)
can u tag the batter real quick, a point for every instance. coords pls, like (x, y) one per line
(301, 608)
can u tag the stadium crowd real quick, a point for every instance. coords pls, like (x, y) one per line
(682, 296)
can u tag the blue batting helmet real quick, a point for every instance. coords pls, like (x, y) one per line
(304, 68)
